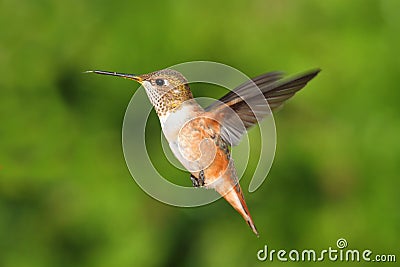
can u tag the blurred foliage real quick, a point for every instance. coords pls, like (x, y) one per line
(66, 196)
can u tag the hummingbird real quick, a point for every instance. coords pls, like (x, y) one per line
(201, 138)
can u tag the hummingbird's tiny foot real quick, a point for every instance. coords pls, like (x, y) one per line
(198, 182)
(195, 181)
(201, 178)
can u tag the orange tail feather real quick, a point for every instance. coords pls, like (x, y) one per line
(236, 199)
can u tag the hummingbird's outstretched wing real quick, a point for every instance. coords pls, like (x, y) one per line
(244, 106)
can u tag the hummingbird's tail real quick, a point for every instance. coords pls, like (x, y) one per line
(236, 199)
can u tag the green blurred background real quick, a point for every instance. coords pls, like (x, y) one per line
(66, 195)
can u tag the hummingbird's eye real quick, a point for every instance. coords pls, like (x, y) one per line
(160, 82)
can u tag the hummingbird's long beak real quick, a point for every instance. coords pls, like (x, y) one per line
(113, 73)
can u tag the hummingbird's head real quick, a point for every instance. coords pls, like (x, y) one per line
(167, 89)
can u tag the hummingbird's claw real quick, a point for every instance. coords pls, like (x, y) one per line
(201, 178)
(198, 182)
(195, 181)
